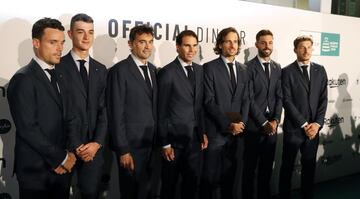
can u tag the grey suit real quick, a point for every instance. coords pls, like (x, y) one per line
(302, 104)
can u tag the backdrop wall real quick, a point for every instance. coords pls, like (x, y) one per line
(336, 47)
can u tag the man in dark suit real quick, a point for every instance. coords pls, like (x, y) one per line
(265, 114)
(304, 86)
(132, 106)
(227, 108)
(38, 105)
(181, 121)
(87, 80)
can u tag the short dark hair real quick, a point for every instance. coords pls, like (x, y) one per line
(184, 34)
(301, 39)
(39, 26)
(141, 29)
(263, 32)
(80, 17)
(221, 36)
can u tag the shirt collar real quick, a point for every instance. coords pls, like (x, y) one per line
(76, 57)
(137, 60)
(43, 64)
(183, 63)
(226, 61)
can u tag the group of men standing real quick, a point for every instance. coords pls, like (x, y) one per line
(215, 124)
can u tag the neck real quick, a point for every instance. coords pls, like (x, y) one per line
(81, 53)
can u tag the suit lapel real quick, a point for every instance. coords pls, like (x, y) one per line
(223, 71)
(181, 74)
(197, 80)
(300, 76)
(261, 72)
(41, 76)
(313, 75)
(272, 74)
(137, 74)
(74, 73)
(93, 77)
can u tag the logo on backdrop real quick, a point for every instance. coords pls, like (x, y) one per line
(333, 121)
(334, 83)
(5, 126)
(325, 44)
(165, 31)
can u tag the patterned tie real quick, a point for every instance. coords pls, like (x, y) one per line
(83, 74)
(190, 75)
(53, 79)
(146, 75)
(232, 76)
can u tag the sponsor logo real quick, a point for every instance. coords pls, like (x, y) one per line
(333, 121)
(5, 126)
(334, 83)
(325, 44)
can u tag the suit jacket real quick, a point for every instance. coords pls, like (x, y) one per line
(90, 106)
(220, 98)
(301, 103)
(180, 107)
(264, 93)
(132, 107)
(41, 119)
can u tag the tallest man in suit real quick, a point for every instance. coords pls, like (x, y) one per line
(87, 80)
(131, 100)
(38, 104)
(265, 113)
(304, 86)
(227, 108)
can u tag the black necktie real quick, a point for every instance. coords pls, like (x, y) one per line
(306, 74)
(232, 75)
(190, 75)
(53, 79)
(267, 72)
(146, 75)
(83, 74)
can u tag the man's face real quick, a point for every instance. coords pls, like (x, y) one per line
(264, 46)
(82, 35)
(188, 48)
(50, 46)
(230, 46)
(303, 51)
(142, 46)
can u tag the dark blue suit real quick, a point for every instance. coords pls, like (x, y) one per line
(41, 118)
(260, 147)
(302, 104)
(181, 124)
(225, 151)
(91, 110)
(132, 115)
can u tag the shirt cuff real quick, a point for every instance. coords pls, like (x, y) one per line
(302, 126)
(166, 146)
(63, 162)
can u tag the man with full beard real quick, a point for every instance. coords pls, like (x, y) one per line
(265, 113)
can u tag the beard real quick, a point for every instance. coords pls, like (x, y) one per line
(263, 53)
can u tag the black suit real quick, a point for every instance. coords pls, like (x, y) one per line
(91, 110)
(225, 150)
(301, 107)
(132, 122)
(260, 147)
(180, 124)
(39, 114)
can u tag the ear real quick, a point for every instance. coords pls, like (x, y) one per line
(36, 43)
(130, 44)
(69, 34)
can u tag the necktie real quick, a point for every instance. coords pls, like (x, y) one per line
(83, 74)
(232, 75)
(267, 72)
(190, 75)
(53, 79)
(146, 75)
(306, 74)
